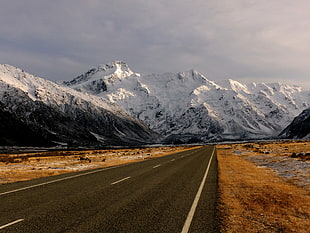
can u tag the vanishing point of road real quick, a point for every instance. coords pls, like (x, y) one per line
(174, 193)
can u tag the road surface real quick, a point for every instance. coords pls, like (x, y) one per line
(174, 193)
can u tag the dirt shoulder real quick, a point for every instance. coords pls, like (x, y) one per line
(27, 166)
(255, 196)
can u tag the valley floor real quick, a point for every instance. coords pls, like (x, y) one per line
(27, 166)
(264, 187)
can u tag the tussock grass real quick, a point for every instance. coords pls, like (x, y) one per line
(255, 199)
(18, 167)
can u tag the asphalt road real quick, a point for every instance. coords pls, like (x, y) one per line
(175, 193)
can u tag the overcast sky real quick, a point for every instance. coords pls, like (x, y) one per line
(245, 40)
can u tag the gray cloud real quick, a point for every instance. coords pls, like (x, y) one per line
(241, 39)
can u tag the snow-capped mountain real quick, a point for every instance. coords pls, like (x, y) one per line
(299, 128)
(187, 106)
(62, 115)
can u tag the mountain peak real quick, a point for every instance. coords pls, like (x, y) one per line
(101, 77)
(196, 76)
(115, 66)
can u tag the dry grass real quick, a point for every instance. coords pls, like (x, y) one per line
(18, 167)
(297, 149)
(255, 199)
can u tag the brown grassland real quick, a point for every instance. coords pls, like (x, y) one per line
(255, 198)
(27, 166)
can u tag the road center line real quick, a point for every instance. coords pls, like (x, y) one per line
(54, 181)
(157, 166)
(116, 182)
(12, 223)
(195, 203)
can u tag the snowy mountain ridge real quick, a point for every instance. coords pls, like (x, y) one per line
(65, 115)
(113, 72)
(48, 91)
(187, 103)
(182, 107)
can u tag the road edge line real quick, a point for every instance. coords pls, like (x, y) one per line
(11, 223)
(197, 197)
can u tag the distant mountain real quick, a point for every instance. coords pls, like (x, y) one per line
(299, 128)
(187, 107)
(49, 113)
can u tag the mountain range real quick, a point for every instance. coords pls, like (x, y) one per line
(187, 107)
(111, 105)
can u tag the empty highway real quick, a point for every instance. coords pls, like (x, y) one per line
(174, 193)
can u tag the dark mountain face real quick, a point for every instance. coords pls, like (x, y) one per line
(37, 112)
(47, 122)
(14, 132)
(74, 126)
(299, 128)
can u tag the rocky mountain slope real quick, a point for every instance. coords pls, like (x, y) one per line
(52, 114)
(299, 128)
(15, 132)
(187, 107)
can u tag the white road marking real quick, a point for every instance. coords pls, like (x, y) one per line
(12, 223)
(54, 181)
(172, 160)
(157, 166)
(195, 203)
(66, 178)
(116, 182)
